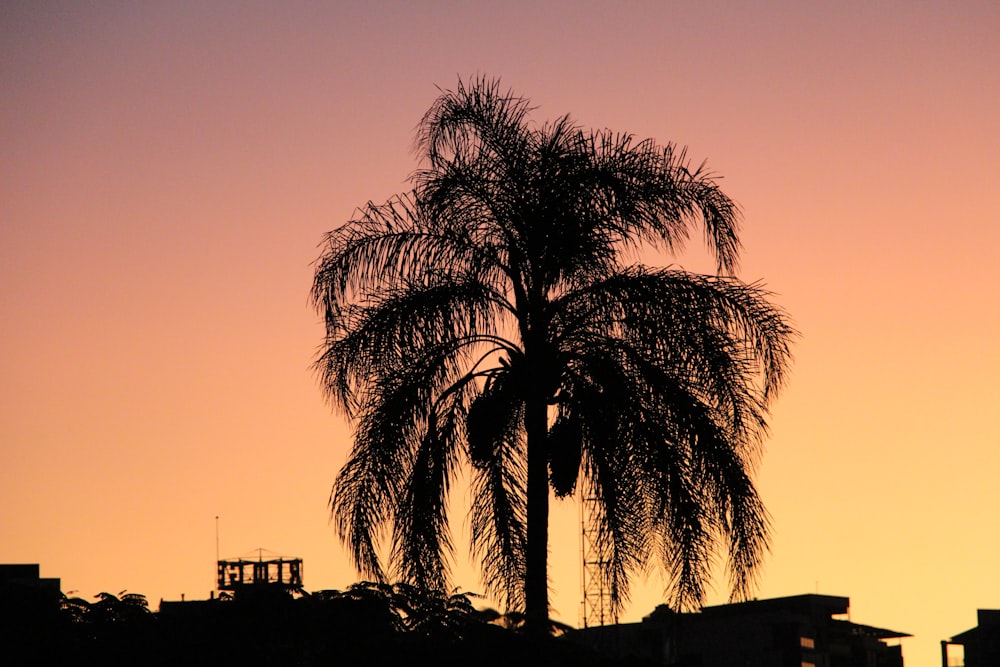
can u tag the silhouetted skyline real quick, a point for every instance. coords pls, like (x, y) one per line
(169, 170)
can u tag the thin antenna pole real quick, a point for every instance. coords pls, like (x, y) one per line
(217, 577)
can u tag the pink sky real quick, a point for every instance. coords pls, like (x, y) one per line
(168, 171)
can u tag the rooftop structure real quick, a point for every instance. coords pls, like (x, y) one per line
(272, 572)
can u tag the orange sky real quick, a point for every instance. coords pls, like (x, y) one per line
(167, 171)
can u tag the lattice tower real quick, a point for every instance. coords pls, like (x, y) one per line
(597, 608)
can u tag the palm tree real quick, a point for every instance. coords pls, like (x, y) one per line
(121, 608)
(490, 318)
(417, 609)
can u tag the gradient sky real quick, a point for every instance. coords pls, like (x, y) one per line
(168, 170)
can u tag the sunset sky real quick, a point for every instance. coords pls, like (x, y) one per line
(168, 170)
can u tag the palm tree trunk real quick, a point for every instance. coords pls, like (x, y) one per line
(536, 579)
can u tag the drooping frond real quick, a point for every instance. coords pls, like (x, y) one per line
(403, 462)
(685, 362)
(652, 194)
(643, 470)
(688, 317)
(399, 324)
(361, 502)
(499, 501)
(610, 485)
(421, 540)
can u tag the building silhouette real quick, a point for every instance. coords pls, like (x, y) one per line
(26, 598)
(29, 610)
(797, 631)
(981, 644)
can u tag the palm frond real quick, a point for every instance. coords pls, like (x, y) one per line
(499, 502)
(480, 118)
(388, 330)
(422, 541)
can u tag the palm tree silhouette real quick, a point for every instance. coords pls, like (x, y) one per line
(490, 318)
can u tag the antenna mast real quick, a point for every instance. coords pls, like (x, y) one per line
(217, 557)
